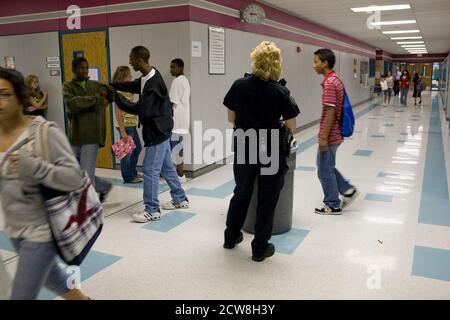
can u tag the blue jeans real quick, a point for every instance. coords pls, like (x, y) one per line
(87, 157)
(129, 163)
(37, 268)
(330, 178)
(403, 96)
(158, 161)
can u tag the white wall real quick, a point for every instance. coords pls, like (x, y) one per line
(165, 41)
(30, 52)
(208, 90)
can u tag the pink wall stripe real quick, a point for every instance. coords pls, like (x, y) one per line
(183, 13)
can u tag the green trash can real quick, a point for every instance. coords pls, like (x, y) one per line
(284, 210)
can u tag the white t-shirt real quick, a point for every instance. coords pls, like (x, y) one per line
(146, 78)
(180, 93)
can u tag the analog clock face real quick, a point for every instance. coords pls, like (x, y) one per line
(253, 14)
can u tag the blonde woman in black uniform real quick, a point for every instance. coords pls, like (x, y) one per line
(256, 103)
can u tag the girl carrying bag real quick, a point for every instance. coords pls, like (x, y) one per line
(76, 217)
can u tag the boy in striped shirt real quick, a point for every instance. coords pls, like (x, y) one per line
(330, 137)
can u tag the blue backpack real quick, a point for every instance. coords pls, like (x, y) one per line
(348, 119)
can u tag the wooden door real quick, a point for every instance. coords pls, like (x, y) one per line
(94, 47)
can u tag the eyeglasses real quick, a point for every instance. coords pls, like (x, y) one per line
(6, 96)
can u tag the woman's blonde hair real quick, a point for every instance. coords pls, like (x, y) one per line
(266, 61)
(121, 74)
(30, 79)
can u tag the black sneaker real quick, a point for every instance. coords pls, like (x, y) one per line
(270, 251)
(329, 210)
(231, 245)
(349, 197)
(103, 195)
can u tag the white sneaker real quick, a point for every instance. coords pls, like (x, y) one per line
(145, 217)
(182, 179)
(171, 205)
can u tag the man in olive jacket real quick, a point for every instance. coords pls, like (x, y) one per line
(85, 101)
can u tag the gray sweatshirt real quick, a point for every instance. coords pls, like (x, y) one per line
(20, 196)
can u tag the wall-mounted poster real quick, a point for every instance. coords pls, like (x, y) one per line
(364, 73)
(355, 66)
(94, 73)
(216, 50)
(10, 62)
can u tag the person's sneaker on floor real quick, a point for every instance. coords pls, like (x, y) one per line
(171, 205)
(145, 217)
(349, 196)
(182, 179)
(231, 245)
(270, 251)
(103, 195)
(326, 210)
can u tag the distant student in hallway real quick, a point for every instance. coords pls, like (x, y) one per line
(404, 87)
(384, 89)
(155, 114)
(330, 137)
(398, 75)
(417, 91)
(38, 98)
(86, 102)
(127, 124)
(180, 92)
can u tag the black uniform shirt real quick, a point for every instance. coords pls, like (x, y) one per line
(260, 104)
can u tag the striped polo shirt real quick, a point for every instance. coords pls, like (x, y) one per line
(333, 95)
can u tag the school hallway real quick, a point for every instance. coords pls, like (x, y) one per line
(392, 242)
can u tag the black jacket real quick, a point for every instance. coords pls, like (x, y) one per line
(153, 108)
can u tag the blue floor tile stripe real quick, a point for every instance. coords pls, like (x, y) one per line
(378, 197)
(5, 243)
(93, 264)
(220, 192)
(434, 204)
(169, 221)
(288, 242)
(431, 263)
(227, 189)
(363, 153)
(306, 168)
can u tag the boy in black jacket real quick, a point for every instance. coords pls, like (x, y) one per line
(155, 113)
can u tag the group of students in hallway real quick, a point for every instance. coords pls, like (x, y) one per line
(401, 85)
(257, 101)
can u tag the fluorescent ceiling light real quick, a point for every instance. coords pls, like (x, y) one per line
(388, 23)
(401, 31)
(406, 38)
(418, 51)
(413, 45)
(410, 42)
(382, 8)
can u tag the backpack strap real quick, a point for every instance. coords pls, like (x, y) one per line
(42, 142)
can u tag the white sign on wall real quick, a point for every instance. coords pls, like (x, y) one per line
(196, 49)
(216, 50)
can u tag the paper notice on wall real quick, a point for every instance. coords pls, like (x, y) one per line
(196, 49)
(216, 50)
(10, 62)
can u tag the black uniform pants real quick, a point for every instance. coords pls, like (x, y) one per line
(269, 188)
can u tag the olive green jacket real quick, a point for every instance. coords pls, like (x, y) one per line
(86, 112)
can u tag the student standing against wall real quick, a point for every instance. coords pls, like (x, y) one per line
(155, 114)
(127, 124)
(38, 98)
(180, 92)
(86, 102)
(330, 137)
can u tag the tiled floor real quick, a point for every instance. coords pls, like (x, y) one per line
(393, 242)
